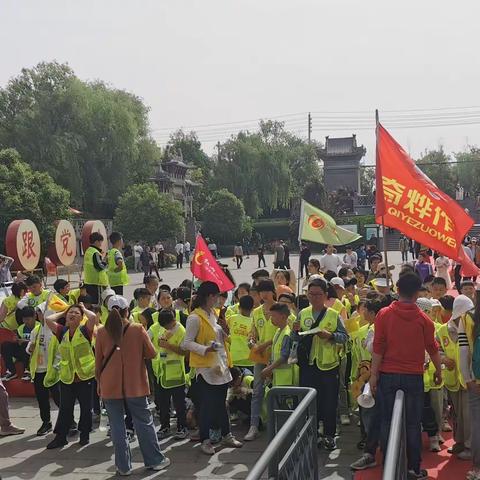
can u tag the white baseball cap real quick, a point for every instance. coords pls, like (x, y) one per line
(424, 304)
(108, 292)
(461, 305)
(313, 277)
(337, 281)
(117, 301)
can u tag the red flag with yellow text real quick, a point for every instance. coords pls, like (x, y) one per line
(205, 267)
(406, 199)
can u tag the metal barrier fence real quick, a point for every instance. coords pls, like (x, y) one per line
(292, 432)
(395, 467)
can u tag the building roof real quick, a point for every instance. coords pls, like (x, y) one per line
(177, 163)
(341, 146)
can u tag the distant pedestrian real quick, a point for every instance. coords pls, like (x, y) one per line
(186, 251)
(179, 250)
(145, 259)
(137, 252)
(238, 254)
(161, 255)
(350, 258)
(403, 246)
(305, 254)
(212, 246)
(286, 255)
(261, 255)
(279, 255)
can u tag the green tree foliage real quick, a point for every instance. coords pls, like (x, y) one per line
(27, 194)
(92, 139)
(224, 218)
(436, 164)
(143, 213)
(468, 170)
(265, 169)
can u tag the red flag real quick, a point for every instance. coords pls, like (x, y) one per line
(406, 199)
(205, 267)
(469, 269)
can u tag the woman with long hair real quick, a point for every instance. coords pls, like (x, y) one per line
(121, 349)
(205, 340)
(77, 370)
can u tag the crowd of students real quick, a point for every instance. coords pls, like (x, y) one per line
(208, 358)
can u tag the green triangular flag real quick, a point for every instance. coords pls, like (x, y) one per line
(319, 227)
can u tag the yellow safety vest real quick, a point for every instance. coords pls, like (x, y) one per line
(240, 327)
(103, 314)
(116, 278)
(323, 353)
(168, 366)
(286, 375)
(76, 357)
(452, 379)
(35, 301)
(205, 336)
(53, 364)
(265, 328)
(232, 310)
(91, 275)
(73, 296)
(10, 321)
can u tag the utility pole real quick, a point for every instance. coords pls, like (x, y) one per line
(309, 127)
(218, 149)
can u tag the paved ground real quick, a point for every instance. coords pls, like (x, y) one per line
(25, 457)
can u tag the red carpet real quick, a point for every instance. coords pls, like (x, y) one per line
(441, 466)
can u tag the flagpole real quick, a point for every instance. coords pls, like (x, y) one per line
(384, 230)
(300, 223)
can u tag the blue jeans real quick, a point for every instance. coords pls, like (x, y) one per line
(144, 428)
(412, 386)
(258, 394)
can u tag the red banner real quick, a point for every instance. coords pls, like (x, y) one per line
(205, 267)
(406, 199)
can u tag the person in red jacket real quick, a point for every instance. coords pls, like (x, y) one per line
(402, 335)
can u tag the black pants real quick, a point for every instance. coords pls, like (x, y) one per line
(161, 260)
(325, 382)
(178, 395)
(118, 289)
(180, 260)
(458, 277)
(11, 350)
(43, 396)
(213, 412)
(81, 391)
(261, 258)
(239, 260)
(94, 291)
(243, 405)
(95, 399)
(404, 256)
(303, 265)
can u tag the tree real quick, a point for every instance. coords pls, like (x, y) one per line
(265, 169)
(191, 148)
(146, 214)
(468, 170)
(92, 139)
(27, 194)
(225, 219)
(437, 166)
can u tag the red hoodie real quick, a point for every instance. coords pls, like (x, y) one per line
(402, 334)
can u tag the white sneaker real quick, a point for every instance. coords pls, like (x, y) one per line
(207, 448)
(434, 444)
(124, 474)
(252, 434)
(344, 420)
(230, 441)
(163, 464)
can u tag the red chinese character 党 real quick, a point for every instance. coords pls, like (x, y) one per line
(28, 244)
(65, 238)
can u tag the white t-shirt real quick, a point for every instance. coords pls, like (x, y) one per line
(187, 246)
(179, 248)
(330, 262)
(137, 251)
(350, 260)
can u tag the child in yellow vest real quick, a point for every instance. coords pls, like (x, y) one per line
(169, 368)
(282, 373)
(239, 395)
(143, 298)
(9, 306)
(447, 337)
(240, 325)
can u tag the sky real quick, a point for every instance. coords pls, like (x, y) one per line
(228, 63)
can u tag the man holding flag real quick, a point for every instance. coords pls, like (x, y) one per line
(406, 199)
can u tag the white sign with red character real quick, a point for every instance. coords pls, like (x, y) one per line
(23, 244)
